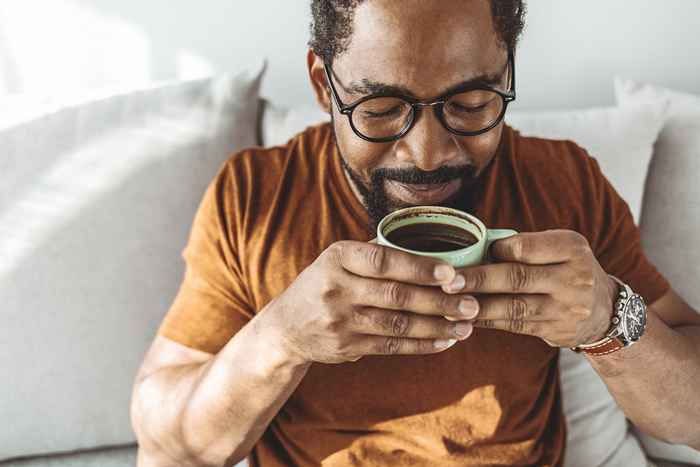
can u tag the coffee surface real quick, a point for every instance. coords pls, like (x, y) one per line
(431, 237)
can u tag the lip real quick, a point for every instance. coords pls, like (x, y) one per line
(423, 194)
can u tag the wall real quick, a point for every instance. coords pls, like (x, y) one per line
(570, 52)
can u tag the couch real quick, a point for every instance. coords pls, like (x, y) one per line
(96, 202)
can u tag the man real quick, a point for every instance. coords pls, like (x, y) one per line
(296, 340)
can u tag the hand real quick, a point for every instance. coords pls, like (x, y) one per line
(549, 285)
(360, 299)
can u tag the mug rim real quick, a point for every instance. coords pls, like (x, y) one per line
(440, 210)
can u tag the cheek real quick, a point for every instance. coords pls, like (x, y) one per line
(361, 155)
(482, 148)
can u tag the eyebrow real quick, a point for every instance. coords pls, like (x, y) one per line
(368, 86)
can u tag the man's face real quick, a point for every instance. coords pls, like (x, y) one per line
(423, 47)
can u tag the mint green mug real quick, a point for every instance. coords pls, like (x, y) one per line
(476, 253)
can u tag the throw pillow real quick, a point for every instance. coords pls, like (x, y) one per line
(670, 222)
(96, 203)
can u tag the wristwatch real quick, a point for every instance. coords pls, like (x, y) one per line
(628, 323)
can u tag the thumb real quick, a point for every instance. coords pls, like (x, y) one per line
(506, 249)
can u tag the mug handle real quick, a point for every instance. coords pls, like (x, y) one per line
(495, 234)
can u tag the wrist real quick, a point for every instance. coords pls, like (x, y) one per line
(276, 343)
(606, 322)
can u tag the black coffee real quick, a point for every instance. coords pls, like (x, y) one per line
(431, 237)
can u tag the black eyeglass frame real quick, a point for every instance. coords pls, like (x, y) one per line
(437, 105)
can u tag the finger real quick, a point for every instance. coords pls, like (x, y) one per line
(395, 295)
(529, 307)
(380, 322)
(547, 247)
(376, 345)
(511, 278)
(530, 328)
(379, 261)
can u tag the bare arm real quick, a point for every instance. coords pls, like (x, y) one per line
(195, 414)
(356, 299)
(655, 380)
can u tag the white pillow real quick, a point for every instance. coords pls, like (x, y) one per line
(628, 92)
(96, 203)
(279, 124)
(671, 214)
(621, 140)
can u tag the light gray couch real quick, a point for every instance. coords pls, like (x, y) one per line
(82, 296)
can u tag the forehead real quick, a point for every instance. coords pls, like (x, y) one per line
(422, 45)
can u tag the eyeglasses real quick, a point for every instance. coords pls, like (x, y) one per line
(468, 111)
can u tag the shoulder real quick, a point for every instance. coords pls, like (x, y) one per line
(562, 161)
(557, 174)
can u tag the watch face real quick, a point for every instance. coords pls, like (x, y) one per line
(634, 318)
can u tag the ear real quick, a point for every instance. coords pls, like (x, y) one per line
(319, 84)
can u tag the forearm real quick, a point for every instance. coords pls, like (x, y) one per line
(655, 381)
(212, 414)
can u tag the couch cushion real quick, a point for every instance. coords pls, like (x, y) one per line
(124, 456)
(671, 212)
(96, 203)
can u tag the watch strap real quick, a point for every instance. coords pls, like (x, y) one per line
(603, 347)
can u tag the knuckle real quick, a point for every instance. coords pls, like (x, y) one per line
(395, 294)
(329, 293)
(518, 277)
(425, 346)
(399, 324)
(391, 345)
(582, 312)
(533, 329)
(517, 309)
(334, 252)
(475, 279)
(376, 257)
(518, 246)
(579, 242)
(358, 317)
(583, 279)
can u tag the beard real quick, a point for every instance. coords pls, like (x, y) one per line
(378, 204)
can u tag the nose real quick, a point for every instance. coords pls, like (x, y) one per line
(428, 145)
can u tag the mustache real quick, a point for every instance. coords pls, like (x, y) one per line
(417, 176)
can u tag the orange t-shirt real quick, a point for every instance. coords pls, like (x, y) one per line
(493, 399)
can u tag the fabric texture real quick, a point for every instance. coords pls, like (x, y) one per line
(492, 399)
(96, 203)
(670, 223)
(620, 138)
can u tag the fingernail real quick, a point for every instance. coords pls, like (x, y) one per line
(456, 284)
(463, 329)
(469, 307)
(444, 343)
(443, 272)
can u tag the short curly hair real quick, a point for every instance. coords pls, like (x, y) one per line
(331, 24)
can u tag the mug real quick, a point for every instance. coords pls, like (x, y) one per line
(476, 253)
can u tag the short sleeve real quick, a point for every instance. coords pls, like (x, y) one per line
(211, 304)
(615, 239)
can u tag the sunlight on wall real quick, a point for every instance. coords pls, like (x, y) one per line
(70, 48)
(64, 46)
(191, 66)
